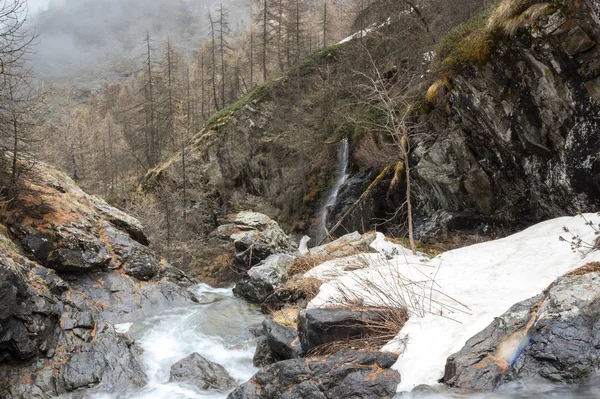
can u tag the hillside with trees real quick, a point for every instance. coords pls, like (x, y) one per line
(299, 199)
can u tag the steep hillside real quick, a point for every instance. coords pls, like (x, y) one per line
(508, 140)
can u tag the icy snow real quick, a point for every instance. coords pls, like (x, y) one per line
(468, 286)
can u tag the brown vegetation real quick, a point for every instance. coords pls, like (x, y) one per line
(379, 331)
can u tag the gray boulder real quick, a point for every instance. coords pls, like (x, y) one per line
(283, 341)
(254, 236)
(554, 336)
(273, 269)
(253, 290)
(350, 244)
(196, 370)
(349, 375)
(264, 356)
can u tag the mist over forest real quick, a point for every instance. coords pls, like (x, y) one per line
(106, 36)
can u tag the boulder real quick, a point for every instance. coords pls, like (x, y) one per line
(342, 375)
(283, 341)
(253, 290)
(318, 327)
(204, 374)
(273, 270)
(255, 237)
(347, 245)
(554, 336)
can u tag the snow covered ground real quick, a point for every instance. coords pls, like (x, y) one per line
(456, 294)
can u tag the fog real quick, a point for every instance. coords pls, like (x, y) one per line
(104, 37)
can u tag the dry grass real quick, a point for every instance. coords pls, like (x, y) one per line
(512, 15)
(473, 43)
(307, 286)
(593, 267)
(287, 317)
(377, 332)
(304, 263)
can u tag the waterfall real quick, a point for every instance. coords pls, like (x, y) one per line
(341, 176)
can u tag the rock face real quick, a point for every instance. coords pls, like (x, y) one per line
(88, 267)
(554, 336)
(196, 370)
(318, 327)
(343, 375)
(521, 143)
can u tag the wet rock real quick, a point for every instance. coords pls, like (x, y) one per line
(424, 391)
(554, 336)
(284, 296)
(110, 362)
(253, 290)
(264, 356)
(342, 375)
(273, 269)
(204, 374)
(318, 327)
(283, 341)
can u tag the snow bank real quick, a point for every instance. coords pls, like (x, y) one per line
(468, 287)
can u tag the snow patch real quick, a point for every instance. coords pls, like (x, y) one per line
(123, 328)
(464, 289)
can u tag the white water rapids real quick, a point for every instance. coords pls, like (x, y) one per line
(216, 328)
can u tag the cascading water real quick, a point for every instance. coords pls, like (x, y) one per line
(340, 178)
(216, 328)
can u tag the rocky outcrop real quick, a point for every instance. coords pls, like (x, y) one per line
(204, 374)
(343, 375)
(255, 237)
(87, 267)
(553, 336)
(522, 139)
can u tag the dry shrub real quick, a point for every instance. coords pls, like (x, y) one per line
(593, 267)
(512, 15)
(455, 240)
(374, 152)
(308, 286)
(304, 263)
(378, 332)
(287, 317)
(473, 43)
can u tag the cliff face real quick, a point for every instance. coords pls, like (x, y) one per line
(70, 267)
(522, 138)
(507, 144)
